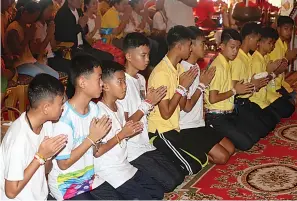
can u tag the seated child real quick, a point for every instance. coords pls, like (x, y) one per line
(280, 106)
(28, 145)
(285, 26)
(137, 105)
(180, 146)
(111, 161)
(73, 175)
(220, 96)
(262, 120)
(112, 19)
(192, 116)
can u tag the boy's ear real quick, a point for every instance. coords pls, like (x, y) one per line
(222, 46)
(45, 108)
(81, 82)
(105, 86)
(128, 56)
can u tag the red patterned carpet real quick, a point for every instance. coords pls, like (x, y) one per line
(267, 172)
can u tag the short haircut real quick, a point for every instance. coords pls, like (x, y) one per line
(133, 3)
(250, 28)
(113, 2)
(268, 32)
(196, 32)
(178, 34)
(31, 7)
(83, 64)
(135, 40)
(43, 5)
(44, 87)
(284, 20)
(230, 34)
(109, 68)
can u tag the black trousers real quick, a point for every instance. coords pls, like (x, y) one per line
(141, 187)
(156, 165)
(244, 108)
(283, 107)
(183, 149)
(234, 127)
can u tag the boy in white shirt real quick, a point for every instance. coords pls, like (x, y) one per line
(141, 153)
(192, 115)
(28, 144)
(112, 163)
(73, 175)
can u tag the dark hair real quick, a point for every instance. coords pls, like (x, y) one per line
(134, 40)
(113, 2)
(30, 7)
(268, 32)
(133, 3)
(250, 28)
(284, 20)
(43, 5)
(178, 34)
(44, 86)
(109, 68)
(196, 32)
(230, 34)
(86, 2)
(83, 64)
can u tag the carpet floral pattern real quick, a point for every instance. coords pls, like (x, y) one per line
(267, 171)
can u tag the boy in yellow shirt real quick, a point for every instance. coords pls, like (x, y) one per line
(271, 102)
(220, 96)
(241, 71)
(284, 28)
(184, 147)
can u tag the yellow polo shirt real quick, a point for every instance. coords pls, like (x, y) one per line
(241, 69)
(111, 19)
(164, 74)
(221, 82)
(259, 65)
(279, 52)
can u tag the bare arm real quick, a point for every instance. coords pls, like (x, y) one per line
(15, 45)
(192, 101)
(167, 107)
(215, 96)
(76, 154)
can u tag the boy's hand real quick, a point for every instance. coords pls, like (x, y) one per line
(282, 68)
(156, 95)
(99, 128)
(259, 83)
(131, 128)
(51, 146)
(272, 66)
(207, 75)
(291, 54)
(51, 28)
(242, 88)
(186, 79)
(82, 21)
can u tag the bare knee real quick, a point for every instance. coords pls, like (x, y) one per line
(219, 155)
(228, 145)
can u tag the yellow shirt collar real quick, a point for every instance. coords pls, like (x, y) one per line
(223, 61)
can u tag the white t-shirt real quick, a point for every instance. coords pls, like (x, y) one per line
(79, 177)
(113, 165)
(41, 34)
(194, 118)
(178, 13)
(136, 91)
(17, 151)
(79, 36)
(159, 22)
(91, 26)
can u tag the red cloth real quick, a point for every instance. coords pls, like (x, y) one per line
(204, 10)
(116, 52)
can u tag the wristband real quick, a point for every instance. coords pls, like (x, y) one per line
(93, 143)
(145, 107)
(234, 91)
(182, 88)
(181, 92)
(40, 159)
(202, 85)
(273, 75)
(148, 101)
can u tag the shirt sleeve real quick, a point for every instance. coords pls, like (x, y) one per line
(217, 81)
(66, 129)
(257, 67)
(15, 160)
(160, 79)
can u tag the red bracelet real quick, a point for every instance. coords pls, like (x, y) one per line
(148, 101)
